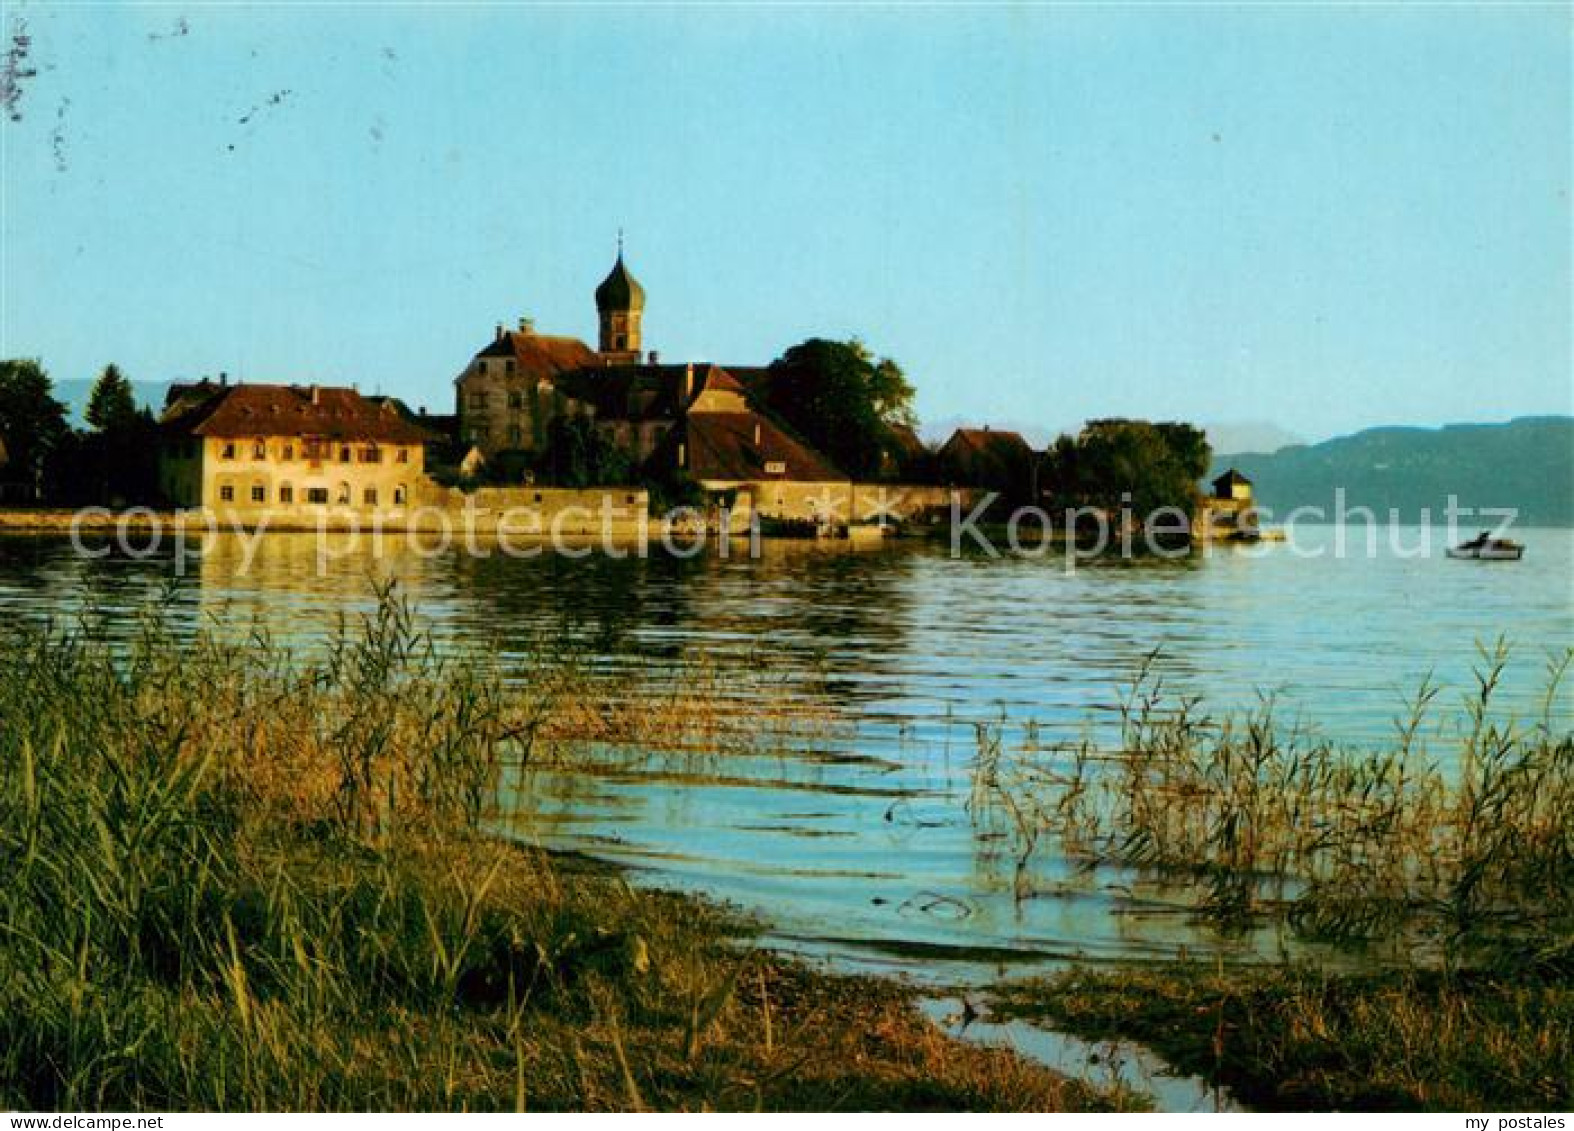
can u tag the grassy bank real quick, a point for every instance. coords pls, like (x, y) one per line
(242, 878)
(1296, 1038)
(1439, 867)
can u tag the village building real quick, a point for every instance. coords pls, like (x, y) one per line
(288, 449)
(989, 460)
(695, 418)
(1231, 511)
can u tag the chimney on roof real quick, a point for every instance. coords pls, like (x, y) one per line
(224, 379)
(423, 410)
(527, 325)
(499, 332)
(655, 357)
(316, 395)
(688, 381)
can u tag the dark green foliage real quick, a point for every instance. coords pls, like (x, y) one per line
(111, 406)
(674, 487)
(1126, 463)
(578, 454)
(843, 400)
(32, 422)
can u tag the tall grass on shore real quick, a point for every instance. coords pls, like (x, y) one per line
(249, 878)
(1290, 1037)
(1475, 853)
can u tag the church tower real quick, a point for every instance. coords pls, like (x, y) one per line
(620, 301)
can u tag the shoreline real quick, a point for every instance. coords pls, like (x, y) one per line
(286, 918)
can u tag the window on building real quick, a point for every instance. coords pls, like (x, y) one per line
(259, 493)
(226, 494)
(622, 342)
(259, 449)
(478, 400)
(480, 367)
(318, 495)
(404, 455)
(288, 453)
(286, 494)
(508, 367)
(371, 455)
(344, 494)
(369, 496)
(344, 454)
(399, 495)
(227, 451)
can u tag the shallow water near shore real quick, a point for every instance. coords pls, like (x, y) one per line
(858, 844)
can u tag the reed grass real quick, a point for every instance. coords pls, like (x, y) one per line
(1294, 1037)
(1468, 846)
(256, 878)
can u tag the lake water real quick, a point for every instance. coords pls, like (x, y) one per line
(861, 845)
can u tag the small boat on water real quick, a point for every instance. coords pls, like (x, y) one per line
(1484, 548)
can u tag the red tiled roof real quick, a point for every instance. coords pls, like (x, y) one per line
(542, 355)
(206, 409)
(981, 454)
(721, 446)
(642, 392)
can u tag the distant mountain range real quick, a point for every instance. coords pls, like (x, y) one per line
(1526, 464)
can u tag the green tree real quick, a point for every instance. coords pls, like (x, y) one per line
(32, 421)
(578, 454)
(841, 399)
(1116, 463)
(111, 406)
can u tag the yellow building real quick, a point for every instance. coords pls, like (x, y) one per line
(291, 450)
(1230, 512)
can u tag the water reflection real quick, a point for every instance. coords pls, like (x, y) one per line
(859, 843)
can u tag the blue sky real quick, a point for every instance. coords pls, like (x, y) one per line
(1326, 217)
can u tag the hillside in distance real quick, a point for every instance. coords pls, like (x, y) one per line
(1526, 464)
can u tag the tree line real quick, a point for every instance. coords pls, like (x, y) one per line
(838, 397)
(114, 459)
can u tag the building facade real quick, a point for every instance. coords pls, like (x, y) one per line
(693, 418)
(288, 449)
